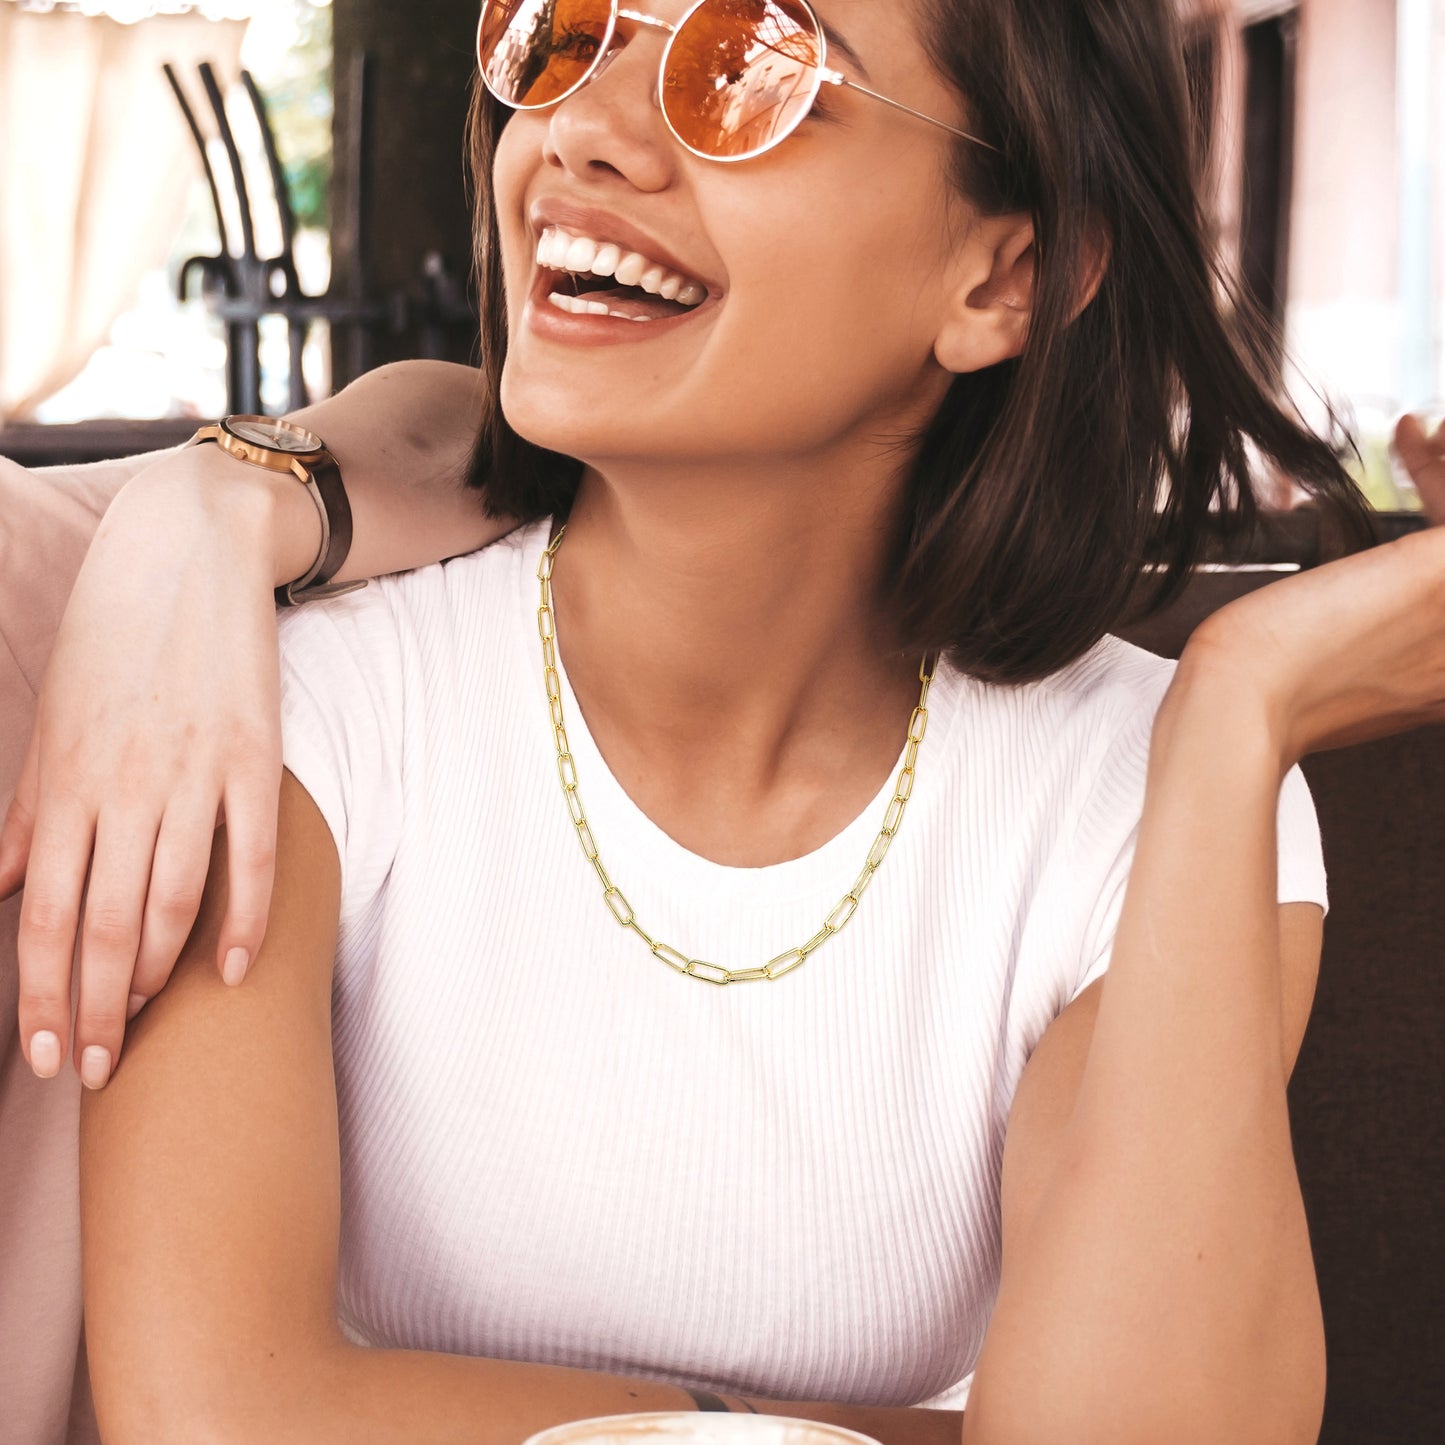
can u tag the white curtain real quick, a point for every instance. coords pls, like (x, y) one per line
(95, 168)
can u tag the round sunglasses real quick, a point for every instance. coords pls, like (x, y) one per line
(737, 77)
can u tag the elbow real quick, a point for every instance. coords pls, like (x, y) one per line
(169, 1393)
(1143, 1425)
(146, 1389)
(1282, 1404)
(1288, 1418)
(148, 1412)
(169, 1428)
(191, 1415)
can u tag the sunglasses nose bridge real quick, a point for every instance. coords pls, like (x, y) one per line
(613, 115)
(640, 18)
(664, 31)
(652, 65)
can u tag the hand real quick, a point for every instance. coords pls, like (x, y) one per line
(1424, 458)
(159, 716)
(1348, 652)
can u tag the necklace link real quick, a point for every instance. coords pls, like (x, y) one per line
(616, 901)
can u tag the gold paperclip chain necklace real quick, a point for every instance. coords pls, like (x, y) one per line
(616, 901)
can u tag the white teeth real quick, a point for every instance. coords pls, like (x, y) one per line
(580, 255)
(630, 268)
(581, 306)
(558, 250)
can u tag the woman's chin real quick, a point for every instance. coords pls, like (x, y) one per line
(590, 428)
(572, 437)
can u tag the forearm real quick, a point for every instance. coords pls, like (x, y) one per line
(402, 436)
(360, 1396)
(110, 475)
(1163, 1287)
(90, 487)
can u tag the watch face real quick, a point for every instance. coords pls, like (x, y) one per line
(274, 436)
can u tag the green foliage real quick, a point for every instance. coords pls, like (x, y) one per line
(290, 55)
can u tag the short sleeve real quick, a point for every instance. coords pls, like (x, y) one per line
(1301, 874)
(342, 676)
(1301, 851)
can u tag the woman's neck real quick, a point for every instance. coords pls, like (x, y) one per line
(725, 641)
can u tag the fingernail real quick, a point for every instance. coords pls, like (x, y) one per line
(237, 961)
(137, 1002)
(45, 1055)
(95, 1067)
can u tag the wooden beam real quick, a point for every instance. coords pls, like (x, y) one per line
(423, 63)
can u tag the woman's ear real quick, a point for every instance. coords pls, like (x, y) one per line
(1093, 265)
(992, 299)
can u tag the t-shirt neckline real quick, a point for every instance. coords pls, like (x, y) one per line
(628, 840)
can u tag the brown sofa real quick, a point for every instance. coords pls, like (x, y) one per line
(1368, 1101)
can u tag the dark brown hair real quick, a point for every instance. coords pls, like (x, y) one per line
(1044, 487)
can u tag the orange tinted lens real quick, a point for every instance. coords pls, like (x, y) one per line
(534, 52)
(741, 75)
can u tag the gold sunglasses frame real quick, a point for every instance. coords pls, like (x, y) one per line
(822, 75)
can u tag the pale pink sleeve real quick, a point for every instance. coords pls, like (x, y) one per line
(46, 522)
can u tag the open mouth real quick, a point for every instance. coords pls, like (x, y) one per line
(601, 278)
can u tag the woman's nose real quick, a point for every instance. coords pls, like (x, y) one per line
(614, 123)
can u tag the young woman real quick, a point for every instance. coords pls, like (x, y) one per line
(846, 520)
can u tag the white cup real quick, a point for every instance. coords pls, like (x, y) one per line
(689, 1428)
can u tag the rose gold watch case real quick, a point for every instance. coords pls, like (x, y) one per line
(264, 441)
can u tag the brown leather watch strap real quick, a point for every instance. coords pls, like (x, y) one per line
(323, 479)
(283, 446)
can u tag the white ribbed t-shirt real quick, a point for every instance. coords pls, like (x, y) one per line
(556, 1149)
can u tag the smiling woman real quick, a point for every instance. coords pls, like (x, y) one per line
(826, 515)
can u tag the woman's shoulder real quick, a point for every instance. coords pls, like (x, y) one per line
(500, 566)
(405, 679)
(1111, 684)
(1112, 673)
(458, 605)
(1061, 747)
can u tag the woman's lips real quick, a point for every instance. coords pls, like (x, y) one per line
(613, 282)
(556, 213)
(587, 264)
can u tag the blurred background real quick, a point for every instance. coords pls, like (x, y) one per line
(1326, 119)
(284, 210)
(143, 352)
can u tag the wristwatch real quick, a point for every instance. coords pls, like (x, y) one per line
(282, 446)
